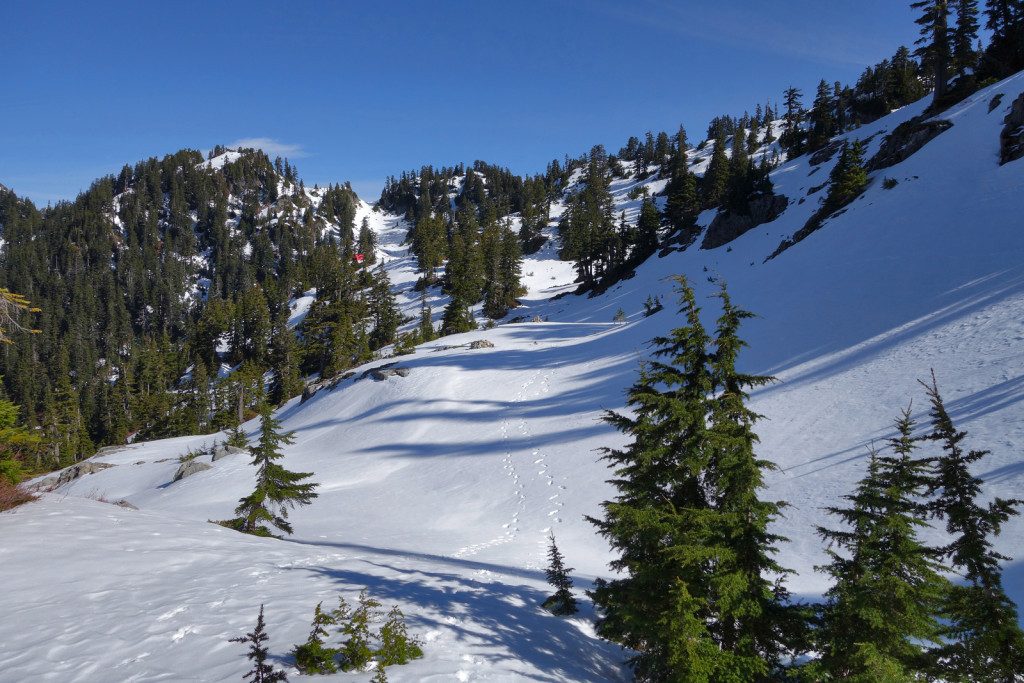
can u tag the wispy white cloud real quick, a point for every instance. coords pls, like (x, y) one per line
(800, 34)
(271, 146)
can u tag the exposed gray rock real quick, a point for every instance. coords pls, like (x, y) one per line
(536, 319)
(727, 226)
(904, 141)
(80, 470)
(1011, 139)
(481, 344)
(107, 450)
(385, 372)
(826, 153)
(190, 467)
(330, 384)
(225, 451)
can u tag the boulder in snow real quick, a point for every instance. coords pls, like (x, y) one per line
(190, 467)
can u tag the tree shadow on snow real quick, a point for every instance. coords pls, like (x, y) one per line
(500, 621)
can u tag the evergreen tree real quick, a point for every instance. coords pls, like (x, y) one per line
(848, 177)
(882, 611)
(367, 242)
(984, 638)
(792, 136)
(822, 118)
(284, 360)
(716, 177)
(935, 48)
(690, 530)
(258, 651)
(277, 489)
(562, 602)
(312, 657)
(426, 328)
(964, 36)
(384, 309)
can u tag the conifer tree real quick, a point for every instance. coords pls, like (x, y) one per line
(984, 638)
(384, 309)
(562, 602)
(277, 489)
(848, 177)
(687, 523)
(716, 177)
(881, 613)
(258, 651)
(426, 328)
(964, 36)
(312, 656)
(935, 41)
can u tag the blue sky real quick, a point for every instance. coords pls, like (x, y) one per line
(357, 91)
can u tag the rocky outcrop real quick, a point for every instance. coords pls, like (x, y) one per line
(80, 470)
(727, 226)
(190, 467)
(384, 373)
(904, 141)
(225, 451)
(1011, 139)
(481, 344)
(330, 384)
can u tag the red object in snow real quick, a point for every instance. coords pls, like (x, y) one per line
(359, 258)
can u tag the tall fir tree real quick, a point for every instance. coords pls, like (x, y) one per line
(983, 638)
(687, 523)
(935, 50)
(881, 613)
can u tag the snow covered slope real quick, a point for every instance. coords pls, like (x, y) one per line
(438, 490)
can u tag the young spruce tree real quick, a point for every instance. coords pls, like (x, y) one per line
(277, 489)
(261, 671)
(562, 602)
(689, 528)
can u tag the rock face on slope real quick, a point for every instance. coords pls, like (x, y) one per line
(727, 226)
(80, 470)
(384, 373)
(1011, 140)
(904, 141)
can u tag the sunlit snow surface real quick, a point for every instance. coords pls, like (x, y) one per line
(438, 490)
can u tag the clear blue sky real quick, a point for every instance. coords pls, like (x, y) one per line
(357, 91)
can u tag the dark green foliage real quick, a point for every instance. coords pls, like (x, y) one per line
(689, 528)
(313, 657)
(848, 177)
(277, 489)
(881, 613)
(396, 645)
(384, 309)
(793, 136)
(138, 279)
(935, 50)
(502, 258)
(562, 602)
(361, 645)
(261, 671)
(985, 642)
(354, 624)
(587, 228)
